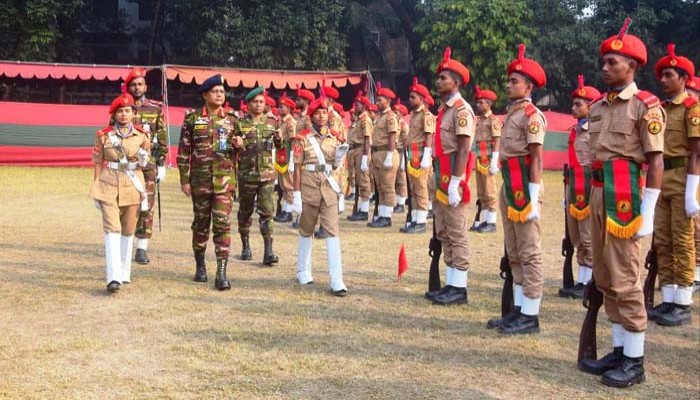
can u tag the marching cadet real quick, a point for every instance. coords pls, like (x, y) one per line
(453, 136)
(149, 114)
(359, 157)
(579, 187)
(400, 186)
(373, 112)
(316, 193)
(692, 86)
(419, 144)
(118, 186)
(520, 154)
(205, 159)
(256, 174)
(303, 99)
(627, 130)
(487, 143)
(678, 204)
(283, 162)
(385, 158)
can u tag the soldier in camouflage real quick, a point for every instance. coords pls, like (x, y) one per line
(256, 173)
(205, 160)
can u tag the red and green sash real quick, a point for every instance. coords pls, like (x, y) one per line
(282, 158)
(415, 152)
(579, 181)
(483, 158)
(443, 169)
(516, 177)
(622, 182)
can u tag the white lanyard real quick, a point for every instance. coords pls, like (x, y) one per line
(322, 160)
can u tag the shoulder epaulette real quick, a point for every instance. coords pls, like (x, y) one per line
(530, 110)
(139, 128)
(154, 103)
(493, 116)
(104, 131)
(336, 134)
(689, 102)
(302, 135)
(648, 98)
(459, 103)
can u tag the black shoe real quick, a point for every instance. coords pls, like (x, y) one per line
(696, 286)
(400, 209)
(350, 197)
(663, 308)
(360, 216)
(295, 225)
(221, 282)
(141, 257)
(431, 295)
(339, 293)
(283, 217)
(629, 372)
(404, 228)
(498, 322)
(521, 324)
(113, 286)
(320, 233)
(453, 295)
(575, 292)
(269, 258)
(486, 228)
(381, 222)
(430, 214)
(200, 274)
(679, 315)
(415, 228)
(599, 367)
(475, 227)
(246, 254)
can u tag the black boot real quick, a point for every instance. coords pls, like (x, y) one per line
(498, 322)
(200, 274)
(283, 217)
(141, 257)
(430, 214)
(350, 197)
(221, 282)
(521, 324)
(381, 222)
(113, 286)
(660, 309)
(487, 228)
(320, 233)
(415, 228)
(575, 292)
(400, 209)
(599, 367)
(269, 257)
(679, 315)
(628, 373)
(453, 295)
(359, 216)
(431, 295)
(246, 254)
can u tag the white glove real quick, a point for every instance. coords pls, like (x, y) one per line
(453, 191)
(647, 209)
(534, 201)
(98, 205)
(427, 159)
(493, 168)
(692, 208)
(291, 166)
(389, 160)
(340, 152)
(143, 157)
(363, 163)
(402, 164)
(160, 175)
(296, 203)
(341, 203)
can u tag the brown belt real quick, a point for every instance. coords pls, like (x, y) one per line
(675, 162)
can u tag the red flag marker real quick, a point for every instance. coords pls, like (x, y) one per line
(403, 263)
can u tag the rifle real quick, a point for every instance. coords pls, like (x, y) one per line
(507, 292)
(592, 301)
(159, 212)
(375, 213)
(357, 197)
(567, 248)
(408, 190)
(652, 265)
(280, 194)
(434, 251)
(477, 217)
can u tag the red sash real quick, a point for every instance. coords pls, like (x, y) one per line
(443, 169)
(484, 159)
(282, 158)
(516, 179)
(579, 182)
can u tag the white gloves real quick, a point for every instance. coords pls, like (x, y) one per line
(692, 208)
(296, 204)
(340, 152)
(493, 168)
(98, 205)
(647, 209)
(427, 159)
(291, 166)
(453, 191)
(143, 157)
(341, 203)
(389, 160)
(534, 201)
(363, 163)
(402, 163)
(160, 175)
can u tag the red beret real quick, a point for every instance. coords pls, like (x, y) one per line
(693, 83)
(270, 101)
(305, 94)
(528, 67)
(331, 92)
(673, 61)
(484, 94)
(626, 45)
(385, 92)
(275, 111)
(135, 73)
(244, 106)
(123, 100)
(360, 98)
(400, 107)
(338, 108)
(319, 103)
(454, 66)
(585, 92)
(286, 101)
(422, 91)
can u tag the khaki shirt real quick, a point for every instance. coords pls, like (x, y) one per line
(336, 123)
(457, 120)
(403, 132)
(488, 126)
(386, 124)
(683, 123)
(303, 122)
(626, 127)
(314, 185)
(288, 127)
(422, 122)
(361, 129)
(524, 125)
(582, 145)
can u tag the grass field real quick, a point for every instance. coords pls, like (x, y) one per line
(164, 336)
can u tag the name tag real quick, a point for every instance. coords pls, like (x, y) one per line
(596, 118)
(200, 126)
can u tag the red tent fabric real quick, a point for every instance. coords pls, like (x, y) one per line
(28, 70)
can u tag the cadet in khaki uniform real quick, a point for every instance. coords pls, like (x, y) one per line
(692, 86)
(385, 158)
(419, 144)
(350, 190)
(303, 99)
(118, 186)
(678, 204)
(454, 133)
(317, 151)
(400, 186)
(578, 188)
(486, 143)
(520, 155)
(358, 156)
(627, 130)
(283, 163)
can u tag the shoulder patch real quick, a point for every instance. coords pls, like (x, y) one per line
(689, 102)
(493, 117)
(459, 103)
(302, 135)
(336, 134)
(530, 110)
(104, 131)
(648, 98)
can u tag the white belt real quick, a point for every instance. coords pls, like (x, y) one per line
(117, 165)
(318, 167)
